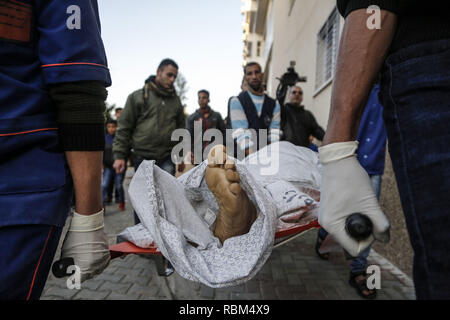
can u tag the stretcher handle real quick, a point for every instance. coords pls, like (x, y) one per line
(358, 226)
(59, 268)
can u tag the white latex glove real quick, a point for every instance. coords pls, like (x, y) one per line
(87, 243)
(346, 189)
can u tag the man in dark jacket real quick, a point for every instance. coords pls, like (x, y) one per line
(208, 119)
(297, 123)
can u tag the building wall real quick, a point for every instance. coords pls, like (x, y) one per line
(295, 35)
(253, 39)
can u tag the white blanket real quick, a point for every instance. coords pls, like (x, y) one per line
(177, 212)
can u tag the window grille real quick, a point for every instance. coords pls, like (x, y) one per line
(327, 47)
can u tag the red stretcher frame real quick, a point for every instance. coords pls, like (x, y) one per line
(284, 235)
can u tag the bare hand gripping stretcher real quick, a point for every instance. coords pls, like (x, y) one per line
(281, 180)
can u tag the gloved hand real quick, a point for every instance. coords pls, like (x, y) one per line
(87, 243)
(346, 189)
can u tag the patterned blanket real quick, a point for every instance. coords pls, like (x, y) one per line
(281, 180)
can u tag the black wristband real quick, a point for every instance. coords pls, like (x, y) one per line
(79, 102)
(82, 137)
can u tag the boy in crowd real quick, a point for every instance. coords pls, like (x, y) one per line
(109, 174)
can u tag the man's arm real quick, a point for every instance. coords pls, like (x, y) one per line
(221, 126)
(190, 128)
(86, 170)
(275, 125)
(80, 108)
(74, 69)
(317, 130)
(239, 124)
(125, 128)
(181, 119)
(361, 54)
(80, 113)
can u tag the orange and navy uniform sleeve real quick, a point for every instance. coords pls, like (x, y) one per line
(70, 46)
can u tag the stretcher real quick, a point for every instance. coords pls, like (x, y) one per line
(126, 248)
(122, 249)
(281, 236)
(358, 226)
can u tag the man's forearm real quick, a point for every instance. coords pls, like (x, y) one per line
(319, 133)
(361, 54)
(86, 170)
(80, 112)
(121, 146)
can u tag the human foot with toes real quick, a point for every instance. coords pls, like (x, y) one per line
(236, 212)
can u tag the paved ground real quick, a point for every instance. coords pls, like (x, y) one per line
(292, 272)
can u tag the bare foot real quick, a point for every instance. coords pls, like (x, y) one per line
(236, 212)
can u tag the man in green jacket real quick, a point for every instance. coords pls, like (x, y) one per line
(150, 116)
(146, 123)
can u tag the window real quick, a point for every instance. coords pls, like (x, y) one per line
(327, 47)
(249, 49)
(258, 49)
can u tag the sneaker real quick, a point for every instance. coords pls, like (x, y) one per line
(122, 206)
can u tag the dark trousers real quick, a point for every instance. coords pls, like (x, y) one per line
(110, 177)
(26, 257)
(415, 93)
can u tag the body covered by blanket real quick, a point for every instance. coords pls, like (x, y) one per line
(282, 182)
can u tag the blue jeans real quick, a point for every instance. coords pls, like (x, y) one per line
(165, 164)
(359, 264)
(376, 179)
(109, 177)
(415, 93)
